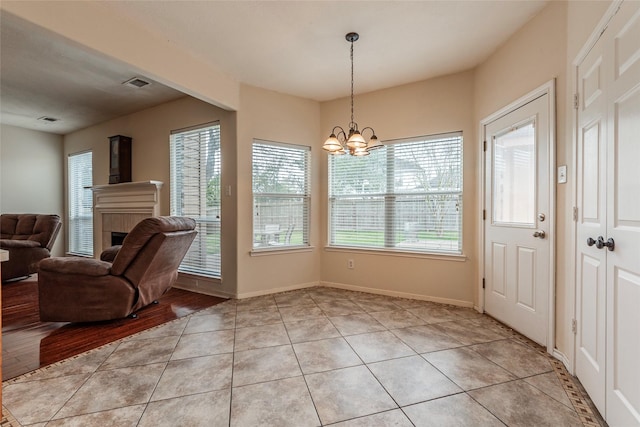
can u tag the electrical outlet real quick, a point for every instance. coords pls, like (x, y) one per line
(351, 264)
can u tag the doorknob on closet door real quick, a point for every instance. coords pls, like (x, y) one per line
(610, 244)
(590, 241)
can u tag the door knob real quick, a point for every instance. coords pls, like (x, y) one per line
(590, 241)
(539, 234)
(610, 244)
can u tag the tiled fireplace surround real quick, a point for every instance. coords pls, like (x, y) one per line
(119, 207)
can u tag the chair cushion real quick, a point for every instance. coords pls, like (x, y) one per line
(110, 254)
(13, 244)
(39, 228)
(75, 265)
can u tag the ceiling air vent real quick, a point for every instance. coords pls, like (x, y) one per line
(48, 119)
(136, 82)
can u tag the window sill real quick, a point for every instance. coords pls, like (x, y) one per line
(280, 251)
(69, 254)
(400, 253)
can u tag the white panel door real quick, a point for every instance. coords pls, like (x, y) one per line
(623, 218)
(517, 219)
(591, 261)
(608, 228)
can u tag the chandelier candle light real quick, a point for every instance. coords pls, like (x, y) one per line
(353, 142)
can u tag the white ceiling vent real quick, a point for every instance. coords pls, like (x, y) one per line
(136, 82)
(48, 119)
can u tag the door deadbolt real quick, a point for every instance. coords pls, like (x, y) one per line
(541, 217)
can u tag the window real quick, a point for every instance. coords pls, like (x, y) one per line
(406, 196)
(195, 193)
(79, 181)
(280, 195)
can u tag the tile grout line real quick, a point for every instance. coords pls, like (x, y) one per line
(579, 402)
(233, 360)
(582, 409)
(304, 378)
(146, 405)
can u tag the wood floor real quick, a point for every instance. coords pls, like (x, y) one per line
(29, 344)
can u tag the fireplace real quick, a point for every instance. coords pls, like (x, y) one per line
(117, 208)
(117, 237)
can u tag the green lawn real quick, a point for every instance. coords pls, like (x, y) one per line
(368, 238)
(376, 238)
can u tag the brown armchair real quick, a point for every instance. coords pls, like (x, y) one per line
(77, 289)
(28, 238)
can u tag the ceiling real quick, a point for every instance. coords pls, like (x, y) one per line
(293, 47)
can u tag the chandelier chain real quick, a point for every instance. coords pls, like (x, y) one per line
(351, 141)
(351, 124)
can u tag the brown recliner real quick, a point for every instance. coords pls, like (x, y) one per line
(78, 289)
(28, 238)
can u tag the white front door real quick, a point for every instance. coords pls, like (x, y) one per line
(516, 244)
(608, 267)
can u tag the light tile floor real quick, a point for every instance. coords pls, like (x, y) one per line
(319, 356)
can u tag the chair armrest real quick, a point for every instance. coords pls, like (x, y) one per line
(76, 265)
(13, 244)
(109, 254)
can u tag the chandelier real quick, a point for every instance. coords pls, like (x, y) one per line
(351, 142)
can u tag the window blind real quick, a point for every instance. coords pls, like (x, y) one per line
(281, 194)
(406, 196)
(195, 193)
(79, 181)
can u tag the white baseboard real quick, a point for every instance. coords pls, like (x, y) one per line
(193, 287)
(386, 292)
(202, 290)
(276, 290)
(478, 309)
(563, 358)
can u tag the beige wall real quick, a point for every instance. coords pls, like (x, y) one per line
(272, 116)
(434, 106)
(31, 174)
(150, 130)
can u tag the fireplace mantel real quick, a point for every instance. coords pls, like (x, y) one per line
(118, 207)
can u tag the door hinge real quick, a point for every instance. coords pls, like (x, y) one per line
(484, 146)
(484, 214)
(483, 283)
(574, 326)
(576, 98)
(575, 213)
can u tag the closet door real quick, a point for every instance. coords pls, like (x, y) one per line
(591, 192)
(623, 218)
(608, 225)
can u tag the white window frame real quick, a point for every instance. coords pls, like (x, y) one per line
(392, 234)
(80, 204)
(278, 227)
(190, 194)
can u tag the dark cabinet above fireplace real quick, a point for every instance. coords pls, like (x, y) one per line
(119, 159)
